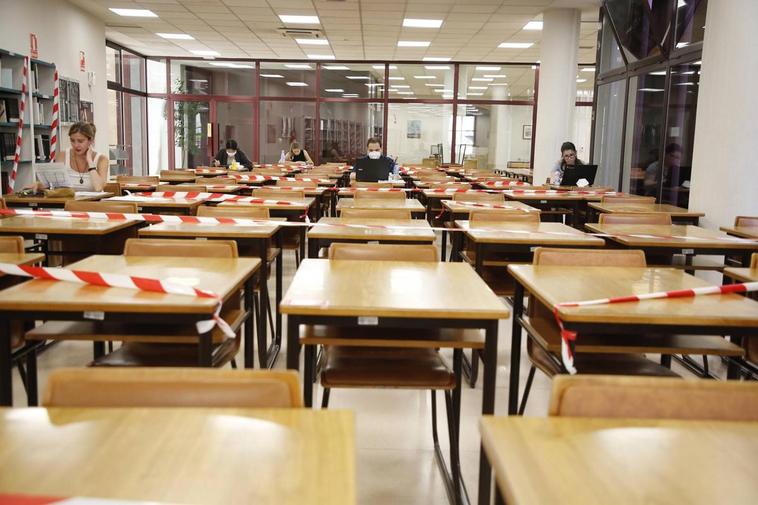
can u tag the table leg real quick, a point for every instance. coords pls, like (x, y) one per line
(6, 385)
(313, 247)
(279, 277)
(518, 309)
(293, 343)
(205, 350)
(250, 320)
(488, 405)
(263, 310)
(308, 369)
(31, 378)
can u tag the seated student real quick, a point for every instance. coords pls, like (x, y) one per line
(296, 153)
(231, 153)
(374, 152)
(568, 159)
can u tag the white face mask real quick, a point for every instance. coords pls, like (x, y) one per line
(231, 153)
(375, 155)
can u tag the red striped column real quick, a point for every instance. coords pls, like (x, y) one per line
(19, 135)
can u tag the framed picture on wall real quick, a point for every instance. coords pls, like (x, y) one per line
(414, 129)
(526, 132)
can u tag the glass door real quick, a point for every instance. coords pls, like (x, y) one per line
(234, 121)
(192, 133)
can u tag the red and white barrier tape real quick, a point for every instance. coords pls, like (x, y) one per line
(568, 338)
(261, 178)
(20, 133)
(54, 124)
(568, 192)
(123, 281)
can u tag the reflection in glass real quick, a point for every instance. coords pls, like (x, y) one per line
(134, 133)
(345, 128)
(133, 68)
(492, 134)
(190, 134)
(234, 122)
(610, 53)
(690, 21)
(495, 82)
(282, 123)
(212, 77)
(641, 25)
(414, 130)
(354, 81)
(156, 76)
(432, 81)
(288, 79)
(157, 135)
(112, 64)
(609, 125)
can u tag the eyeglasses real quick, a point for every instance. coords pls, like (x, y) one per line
(568, 156)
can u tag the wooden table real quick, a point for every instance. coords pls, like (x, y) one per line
(678, 214)
(571, 203)
(255, 241)
(181, 177)
(741, 231)
(67, 301)
(668, 240)
(621, 461)
(211, 172)
(17, 259)
(219, 188)
(181, 455)
(156, 205)
(88, 235)
(45, 202)
(393, 294)
(416, 208)
(742, 274)
(702, 315)
(401, 231)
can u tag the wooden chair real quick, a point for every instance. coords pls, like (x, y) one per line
(172, 387)
(120, 207)
(2, 204)
(181, 188)
(297, 184)
(112, 187)
(181, 248)
(627, 199)
(210, 181)
(746, 221)
(240, 211)
(511, 216)
(12, 245)
(152, 180)
(476, 196)
(177, 175)
(635, 218)
(115, 242)
(380, 195)
(365, 184)
(449, 185)
(278, 194)
(348, 213)
(653, 398)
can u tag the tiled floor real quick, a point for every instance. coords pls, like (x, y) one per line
(395, 456)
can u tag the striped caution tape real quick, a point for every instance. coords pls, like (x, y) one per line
(20, 131)
(54, 124)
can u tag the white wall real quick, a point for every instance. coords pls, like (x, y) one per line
(62, 31)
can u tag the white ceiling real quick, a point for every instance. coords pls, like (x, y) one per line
(356, 29)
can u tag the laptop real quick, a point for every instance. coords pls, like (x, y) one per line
(573, 174)
(368, 170)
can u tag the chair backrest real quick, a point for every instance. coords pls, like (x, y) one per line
(470, 164)
(121, 207)
(653, 398)
(368, 184)
(297, 184)
(181, 188)
(13, 245)
(2, 203)
(589, 257)
(181, 247)
(384, 195)
(168, 174)
(383, 252)
(754, 262)
(278, 194)
(476, 196)
(449, 185)
(241, 211)
(635, 218)
(375, 213)
(138, 179)
(512, 216)
(112, 187)
(227, 181)
(746, 221)
(171, 387)
(628, 199)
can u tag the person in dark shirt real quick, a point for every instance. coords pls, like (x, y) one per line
(374, 152)
(230, 153)
(296, 153)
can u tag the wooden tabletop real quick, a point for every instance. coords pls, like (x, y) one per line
(82, 196)
(677, 235)
(220, 275)
(211, 230)
(219, 188)
(152, 201)
(135, 186)
(211, 171)
(21, 259)
(181, 455)
(557, 284)
(742, 274)
(741, 231)
(656, 208)
(284, 204)
(380, 203)
(391, 289)
(585, 461)
(461, 207)
(401, 229)
(545, 234)
(309, 192)
(178, 178)
(518, 194)
(61, 225)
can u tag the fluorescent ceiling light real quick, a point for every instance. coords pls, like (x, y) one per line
(588, 69)
(483, 79)
(204, 52)
(398, 86)
(534, 67)
(681, 3)
(475, 94)
(436, 67)
(273, 76)
(176, 36)
(436, 58)
(135, 13)
(321, 57)
(405, 92)
(581, 80)
(381, 67)
(443, 90)
(229, 64)
(658, 72)
(424, 76)
(297, 84)
(477, 87)
(682, 44)
(684, 84)
(396, 78)
(350, 95)
(359, 77)
(496, 76)
(302, 66)
(448, 97)
(651, 90)
(435, 85)
(312, 42)
(413, 43)
(487, 68)
(499, 84)
(533, 25)
(422, 23)
(299, 20)
(698, 62)
(335, 90)
(336, 67)
(516, 45)
(374, 84)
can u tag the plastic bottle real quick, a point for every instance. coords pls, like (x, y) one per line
(282, 157)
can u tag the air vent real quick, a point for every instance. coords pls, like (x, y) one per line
(301, 33)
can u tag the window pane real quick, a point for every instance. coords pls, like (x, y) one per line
(134, 128)
(133, 71)
(115, 133)
(283, 123)
(112, 64)
(645, 111)
(212, 77)
(610, 54)
(288, 79)
(190, 134)
(413, 129)
(609, 125)
(156, 76)
(434, 80)
(495, 82)
(158, 134)
(354, 81)
(690, 21)
(641, 25)
(345, 128)
(235, 122)
(493, 134)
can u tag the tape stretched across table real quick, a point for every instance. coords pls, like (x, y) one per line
(123, 281)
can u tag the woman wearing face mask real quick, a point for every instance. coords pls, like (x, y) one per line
(568, 159)
(231, 153)
(296, 153)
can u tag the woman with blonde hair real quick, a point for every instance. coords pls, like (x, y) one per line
(296, 153)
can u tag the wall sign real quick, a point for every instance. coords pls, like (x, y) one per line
(82, 61)
(33, 46)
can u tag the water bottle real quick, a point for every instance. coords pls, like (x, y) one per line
(282, 157)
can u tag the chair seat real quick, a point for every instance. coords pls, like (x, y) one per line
(357, 367)
(601, 364)
(133, 354)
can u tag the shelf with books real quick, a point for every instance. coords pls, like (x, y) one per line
(9, 91)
